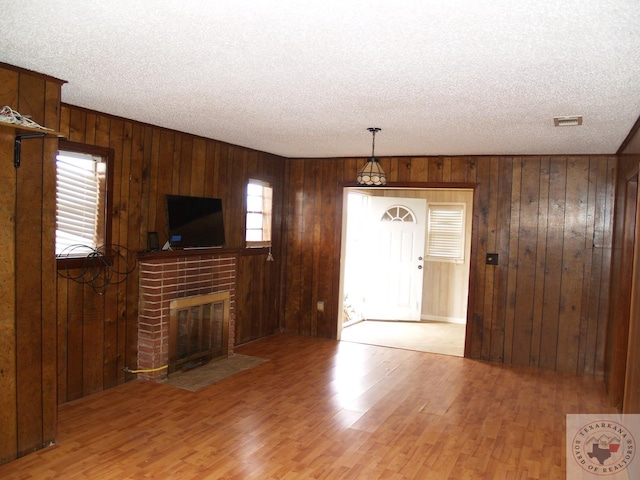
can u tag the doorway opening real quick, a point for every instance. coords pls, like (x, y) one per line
(404, 279)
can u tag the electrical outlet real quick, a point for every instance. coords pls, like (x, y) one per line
(321, 306)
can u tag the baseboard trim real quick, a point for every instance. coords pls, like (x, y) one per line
(435, 318)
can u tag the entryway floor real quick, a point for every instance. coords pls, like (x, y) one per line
(434, 337)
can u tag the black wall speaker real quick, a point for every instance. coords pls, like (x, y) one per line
(153, 243)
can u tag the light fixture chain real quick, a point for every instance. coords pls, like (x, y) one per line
(373, 131)
(373, 144)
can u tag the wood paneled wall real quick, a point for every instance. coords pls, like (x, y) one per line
(27, 269)
(97, 333)
(549, 219)
(622, 368)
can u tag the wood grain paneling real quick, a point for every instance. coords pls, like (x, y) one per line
(538, 213)
(97, 331)
(8, 392)
(495, 335)
(48, 267)
(29, 196)
(27, 270)
(622, 360)
(631, 401)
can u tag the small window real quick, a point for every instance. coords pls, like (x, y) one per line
(445, 232)
(82, 220)
(398, 213)
(258, 220)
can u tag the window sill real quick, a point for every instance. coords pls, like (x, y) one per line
(257, 250)
(70, 263)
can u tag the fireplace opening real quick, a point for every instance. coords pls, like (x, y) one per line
(198, 329)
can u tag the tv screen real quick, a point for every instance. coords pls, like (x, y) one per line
(195, 222)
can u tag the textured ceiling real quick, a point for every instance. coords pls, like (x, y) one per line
(305, 79)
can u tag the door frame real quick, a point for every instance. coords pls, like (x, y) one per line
(338, 275)
(631, 393)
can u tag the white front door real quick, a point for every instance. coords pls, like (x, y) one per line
(395, 251)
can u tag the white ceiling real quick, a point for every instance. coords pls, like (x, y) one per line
(305, 79)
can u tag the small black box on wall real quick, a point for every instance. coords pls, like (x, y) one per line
(153, 243)
(492, 259)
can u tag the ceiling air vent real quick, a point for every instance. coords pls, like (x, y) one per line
(571, 121)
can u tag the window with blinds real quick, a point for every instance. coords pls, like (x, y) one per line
(80, 202)
(258, 219)
(445, 232)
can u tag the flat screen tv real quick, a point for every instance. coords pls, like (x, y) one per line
(195, 222)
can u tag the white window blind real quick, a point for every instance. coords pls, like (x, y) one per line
(445, 232)
(258, 220)
(78, 194)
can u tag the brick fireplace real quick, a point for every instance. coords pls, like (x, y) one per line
(167, 276)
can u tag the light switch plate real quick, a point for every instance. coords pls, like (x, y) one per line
(492, 259)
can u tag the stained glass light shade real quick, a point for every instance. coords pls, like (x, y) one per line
(372, 173)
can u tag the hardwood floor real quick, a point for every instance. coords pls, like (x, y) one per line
(325, 409)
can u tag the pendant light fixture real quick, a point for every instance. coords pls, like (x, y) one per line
(372, 173)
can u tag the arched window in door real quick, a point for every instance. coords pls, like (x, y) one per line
(398, 213)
